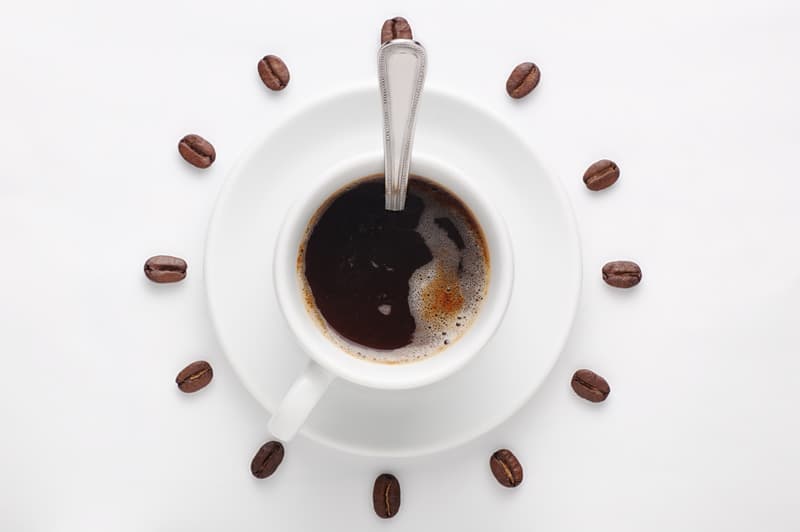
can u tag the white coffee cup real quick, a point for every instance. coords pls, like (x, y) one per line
(328, 359)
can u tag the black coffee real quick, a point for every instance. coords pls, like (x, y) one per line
(409, 282)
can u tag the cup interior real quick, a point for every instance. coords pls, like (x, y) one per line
(318, 344)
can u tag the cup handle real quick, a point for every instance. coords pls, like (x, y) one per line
(299, 401)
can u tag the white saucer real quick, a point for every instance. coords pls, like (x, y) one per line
(500, 379)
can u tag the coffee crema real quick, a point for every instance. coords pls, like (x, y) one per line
(390, 286)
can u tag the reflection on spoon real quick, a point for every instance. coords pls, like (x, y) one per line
(401, 75)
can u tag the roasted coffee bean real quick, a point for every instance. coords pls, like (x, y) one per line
(523, 80)
(197, 151)
(386, 496)
(195, 376)
(622, 273)
(165, 269)
(273, 72)
(267, 459)
(506, 468)
(590, 385)
(601, 174)
(395, 28)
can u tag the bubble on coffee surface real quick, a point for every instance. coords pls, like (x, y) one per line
(445, 294)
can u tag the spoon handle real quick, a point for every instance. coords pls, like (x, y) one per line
(401, 74)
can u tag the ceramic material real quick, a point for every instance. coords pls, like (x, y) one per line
(310, 387)
(499, 379)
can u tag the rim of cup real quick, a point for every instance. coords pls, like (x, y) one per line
(315, 340)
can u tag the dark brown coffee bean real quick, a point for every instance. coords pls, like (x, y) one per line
(622, 273)
(395, 28)
(267, 459)
(386, 496)
(165, 269)
(601, 174)
(273, 72)
(506, 468)
(197, 151)
(523, 80)
(590, 385)
(195, 376)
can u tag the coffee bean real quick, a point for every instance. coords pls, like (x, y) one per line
(590, 385)
(523, 80)
(195, 376)
(267, 459)
(395, 28)
(601, 174)
(506, 468)
(165, 269)
(622, 273)
(197, 151)
(386, 496)
(273, 72)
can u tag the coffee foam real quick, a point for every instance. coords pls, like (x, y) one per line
(445, 295)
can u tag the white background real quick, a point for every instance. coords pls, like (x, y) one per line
(698, 102)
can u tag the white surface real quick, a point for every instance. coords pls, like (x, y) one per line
(697, 102)
(493, 175)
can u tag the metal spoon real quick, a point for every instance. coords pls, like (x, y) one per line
(401, 74)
